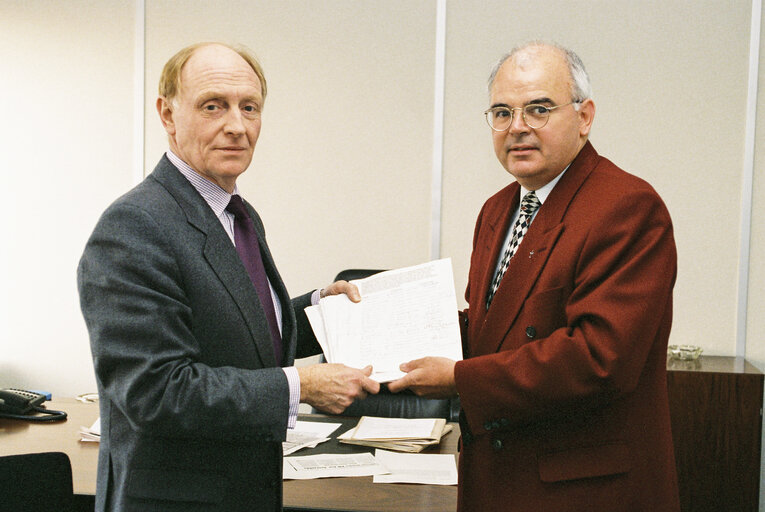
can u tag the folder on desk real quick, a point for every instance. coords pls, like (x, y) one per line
(398, 434)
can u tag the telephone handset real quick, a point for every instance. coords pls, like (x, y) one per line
(20, 405)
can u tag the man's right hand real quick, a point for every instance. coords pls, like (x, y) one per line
(333, 387)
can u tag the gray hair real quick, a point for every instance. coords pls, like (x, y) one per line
(581, 89)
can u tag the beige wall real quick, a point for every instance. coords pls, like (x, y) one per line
(658, 69)
(342, 173)
(66, 76)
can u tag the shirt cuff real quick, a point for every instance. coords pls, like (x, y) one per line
(293, 380)
(315, 296)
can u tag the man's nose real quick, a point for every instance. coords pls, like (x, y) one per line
(518, 123)
(234, 123)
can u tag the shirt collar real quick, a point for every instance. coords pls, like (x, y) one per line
(213, 194)
(543, 192)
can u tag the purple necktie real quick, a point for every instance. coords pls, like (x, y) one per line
(248, 248)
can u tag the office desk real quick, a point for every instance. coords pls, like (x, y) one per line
(715, 404)
(328, 494)
(18, 436)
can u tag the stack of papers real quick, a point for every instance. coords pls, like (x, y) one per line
(404, 314)
(307, 434)
(399, 434)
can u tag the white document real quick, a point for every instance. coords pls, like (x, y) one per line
(416, 468)
(324, 466)
(92, 434)
(404, 314)
(370, 427)
(307, 434)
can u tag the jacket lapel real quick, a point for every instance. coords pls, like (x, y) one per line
(222, 257)
(498, 225)
(532, 255)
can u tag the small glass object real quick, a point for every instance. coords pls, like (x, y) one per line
(684, 352)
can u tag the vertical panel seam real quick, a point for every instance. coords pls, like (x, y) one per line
(747, 179)
(436, 190)
(139, 66)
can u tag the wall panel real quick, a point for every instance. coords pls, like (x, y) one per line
(669, 81)
(66, 73)
(341, 174)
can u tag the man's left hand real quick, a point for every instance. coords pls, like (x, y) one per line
(431, 377)
(339, 287)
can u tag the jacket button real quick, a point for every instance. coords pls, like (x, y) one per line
(488, 425)
(496, 444)
(531, 331)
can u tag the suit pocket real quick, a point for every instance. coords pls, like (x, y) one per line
(585, 462)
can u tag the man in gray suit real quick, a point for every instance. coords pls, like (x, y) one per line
(194, 403)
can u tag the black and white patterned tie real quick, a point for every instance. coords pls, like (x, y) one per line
(529, 205)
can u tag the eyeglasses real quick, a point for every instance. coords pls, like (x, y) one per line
(535, 115)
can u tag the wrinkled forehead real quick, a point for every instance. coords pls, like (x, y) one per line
(218, 68)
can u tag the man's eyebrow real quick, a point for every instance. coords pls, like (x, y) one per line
(208, 96)
(541, 101)
(537, 101)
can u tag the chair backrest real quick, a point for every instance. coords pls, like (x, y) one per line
(36, 482)
(350, 274)
(397, 405)
(404, 405)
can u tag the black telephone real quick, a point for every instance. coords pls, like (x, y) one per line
(19, 404)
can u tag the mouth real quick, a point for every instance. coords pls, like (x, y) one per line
(232, 149)
(521, 149)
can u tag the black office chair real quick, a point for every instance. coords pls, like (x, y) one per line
(36, 482)
(397, 405)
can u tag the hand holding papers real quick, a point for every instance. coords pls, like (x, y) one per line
(404, 314)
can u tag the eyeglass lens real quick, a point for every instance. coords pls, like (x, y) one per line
(535, 116)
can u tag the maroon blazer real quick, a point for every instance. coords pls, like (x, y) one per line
(563, 386)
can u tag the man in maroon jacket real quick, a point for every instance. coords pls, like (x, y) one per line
(563, 385)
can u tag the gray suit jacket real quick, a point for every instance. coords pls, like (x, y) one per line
(193, 407)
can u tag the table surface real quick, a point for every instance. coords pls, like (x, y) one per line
(336, 494)
(714, 364)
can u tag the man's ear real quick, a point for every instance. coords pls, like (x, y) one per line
(586, 116)
(165, 111)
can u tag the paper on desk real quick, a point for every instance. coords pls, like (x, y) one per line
(404, 314)
(370, 427)
(399, 434)
(92, 434)
(329, 465)
(416, 468)
(307, 434)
